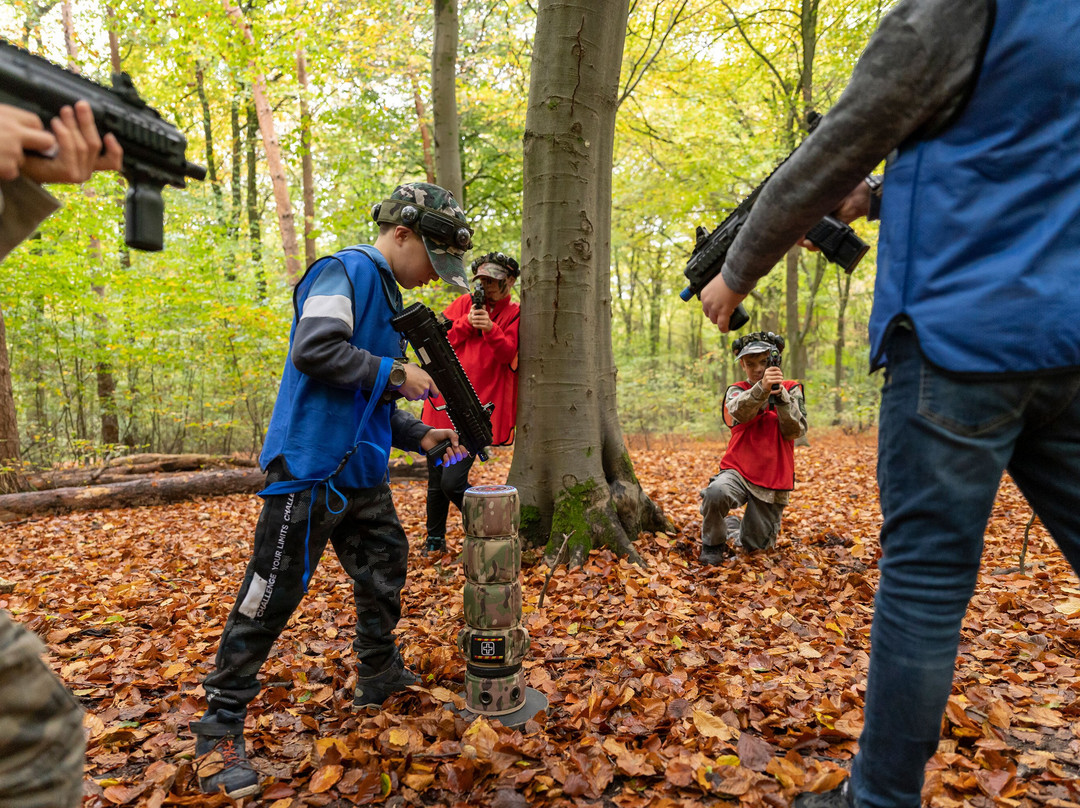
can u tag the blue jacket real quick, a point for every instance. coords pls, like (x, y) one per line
(314, 424)
(980, 238)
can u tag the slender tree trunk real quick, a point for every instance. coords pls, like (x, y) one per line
(253, 215)
(106, 382)
(9, 423)
(272, 147)
(444, 92)
(791, 309)
(308, 170)
(571, 465)
(843, 291)
(208, 136)
(425, 133)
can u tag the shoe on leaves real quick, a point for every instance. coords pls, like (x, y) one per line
(222, 761)
(435, 544)
(714, 554)
(838, 797)
(374, 690)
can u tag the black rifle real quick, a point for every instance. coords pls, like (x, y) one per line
(836, 240)
(427, 335)
(479, 297)
(153, 148)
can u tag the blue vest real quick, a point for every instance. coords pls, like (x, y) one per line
(315, 425)
(980, 226)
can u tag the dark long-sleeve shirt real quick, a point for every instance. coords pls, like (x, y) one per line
(914, 76)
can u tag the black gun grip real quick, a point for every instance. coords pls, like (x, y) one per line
(739, 318)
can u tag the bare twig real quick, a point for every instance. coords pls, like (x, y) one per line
(554, 564)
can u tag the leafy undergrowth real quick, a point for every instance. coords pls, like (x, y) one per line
(671, 685)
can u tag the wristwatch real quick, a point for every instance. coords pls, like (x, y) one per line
(875, 182)
(397, 375)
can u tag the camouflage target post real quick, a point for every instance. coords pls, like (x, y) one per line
(493, 642)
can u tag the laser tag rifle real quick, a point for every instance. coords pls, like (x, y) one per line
(153, 148)
(427, 335)
(836, 240)
(479, 297)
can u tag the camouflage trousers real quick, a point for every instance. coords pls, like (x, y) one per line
(760, 524)
(42, 744)
(372, 548)
(445, 485)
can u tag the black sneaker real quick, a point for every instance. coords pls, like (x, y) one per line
(374, 690)
(714, 554)
(221, 759)
(435, 544)
(839, 797)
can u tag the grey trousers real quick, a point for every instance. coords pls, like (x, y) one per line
(760, 523)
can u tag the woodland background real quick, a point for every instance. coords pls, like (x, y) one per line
(181, 351)
(670, 684)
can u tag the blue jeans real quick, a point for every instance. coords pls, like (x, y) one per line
(943, 444)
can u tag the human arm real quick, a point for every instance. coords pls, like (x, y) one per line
(914, 74)
(501, 334)
(791, 410)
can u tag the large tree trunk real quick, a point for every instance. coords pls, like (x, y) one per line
(272, 147)
(444, 92)
(307, 167)
(571, 465)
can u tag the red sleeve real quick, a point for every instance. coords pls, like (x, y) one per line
(458, 315)
(502, 339)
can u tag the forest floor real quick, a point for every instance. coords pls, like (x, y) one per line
(669, 685)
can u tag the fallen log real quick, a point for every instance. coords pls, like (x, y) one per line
(154, 489)
(118, 469)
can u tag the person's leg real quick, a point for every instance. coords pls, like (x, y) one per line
(1046, 463)
(373, 550)
(438, 507)
(724, 492)
(272, 589)
(943, 445)
(42, 745)
(452, 482)
(760, 525)
(455, 480)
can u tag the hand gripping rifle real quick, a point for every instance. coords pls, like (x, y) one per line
(153, 148)
(427, 335)
(836, 240)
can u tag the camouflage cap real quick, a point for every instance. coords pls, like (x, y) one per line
(435, 216)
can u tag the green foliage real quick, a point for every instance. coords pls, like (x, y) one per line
(193, 339)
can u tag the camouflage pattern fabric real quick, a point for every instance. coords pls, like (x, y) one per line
(492, 605)
(372, 548)
(445, 257)
(492, 561)
(491, 511)
(42, 744)
(495, 696)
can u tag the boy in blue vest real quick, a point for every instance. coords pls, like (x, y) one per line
(766, 415)
(974, 320)
(326, 455)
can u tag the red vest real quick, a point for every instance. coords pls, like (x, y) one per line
(758, 451)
